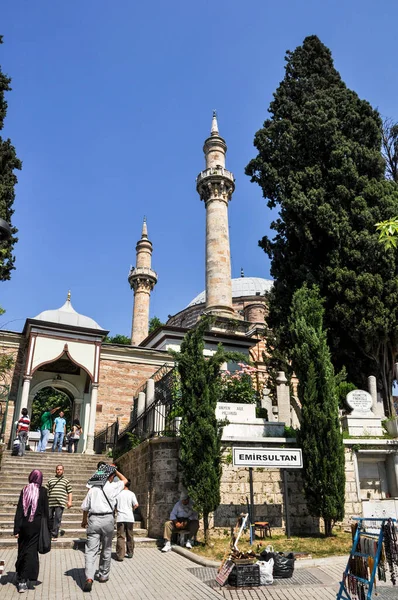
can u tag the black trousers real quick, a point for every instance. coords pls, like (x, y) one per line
(55, 519)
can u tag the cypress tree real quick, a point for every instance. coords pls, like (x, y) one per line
(319, 162)
(319, 435)
(8, 163)
(200, 432)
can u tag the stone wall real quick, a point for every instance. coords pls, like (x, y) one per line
(153, 470)
(268, 497)
(353, 505)
(118, 383)
(12, 344)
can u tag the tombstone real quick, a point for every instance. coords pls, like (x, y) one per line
(243, 424)
(361, 421)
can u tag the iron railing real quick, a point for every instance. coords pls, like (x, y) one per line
(158, 418)
(107, 438)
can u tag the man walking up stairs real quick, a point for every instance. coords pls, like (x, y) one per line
(14, 472)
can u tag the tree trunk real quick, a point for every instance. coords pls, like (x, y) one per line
(206, 528)
(328, 527)
(387, 361)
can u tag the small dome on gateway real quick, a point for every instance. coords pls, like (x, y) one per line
(241, 287)
(66, 315)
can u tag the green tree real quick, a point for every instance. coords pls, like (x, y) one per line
(50, 397)
(8, 163)
(154, 323)
(118, 339)
(319, 435)
(200, 432)
(319, 162)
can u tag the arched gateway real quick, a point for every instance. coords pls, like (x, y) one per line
(63, 352)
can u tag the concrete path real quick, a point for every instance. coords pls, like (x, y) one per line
(153, 575)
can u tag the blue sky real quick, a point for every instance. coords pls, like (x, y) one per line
(110, 106)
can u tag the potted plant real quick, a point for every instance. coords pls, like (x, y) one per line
(391, 425)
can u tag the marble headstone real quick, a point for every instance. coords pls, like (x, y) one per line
(360, 402)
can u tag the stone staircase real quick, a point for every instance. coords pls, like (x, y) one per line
(78, 468)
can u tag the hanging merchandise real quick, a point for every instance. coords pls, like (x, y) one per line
(390, 539)
(374, 550)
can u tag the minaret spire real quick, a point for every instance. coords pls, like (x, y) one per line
(214, 124)
(215, 186)
(144, 234)
(142, 280)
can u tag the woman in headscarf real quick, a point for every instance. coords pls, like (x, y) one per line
(32, 508)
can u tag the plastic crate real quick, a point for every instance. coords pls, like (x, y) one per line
(245, 576)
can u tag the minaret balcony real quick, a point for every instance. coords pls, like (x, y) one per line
(216, 173)
(138, 274)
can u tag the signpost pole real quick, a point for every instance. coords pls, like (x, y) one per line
(286, 503)
(251, 516)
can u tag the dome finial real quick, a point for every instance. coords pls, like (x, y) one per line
(214, 124)
(68, 297)
(242, 274)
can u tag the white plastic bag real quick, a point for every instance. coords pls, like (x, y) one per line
(266, 568)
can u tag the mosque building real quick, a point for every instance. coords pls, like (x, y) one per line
(65, 350)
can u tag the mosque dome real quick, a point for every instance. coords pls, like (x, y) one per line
(242, 287)
(66, 315)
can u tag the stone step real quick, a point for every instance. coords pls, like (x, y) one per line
(23, 472)
(78, 542)
(66, 524)
(70, 533)
(21, 478)
(51, 459)
(8, 488)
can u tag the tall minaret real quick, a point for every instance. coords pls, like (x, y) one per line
(215, 186)
(142, 280)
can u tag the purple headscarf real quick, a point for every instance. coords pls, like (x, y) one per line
(30, 494)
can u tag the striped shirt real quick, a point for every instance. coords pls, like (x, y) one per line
(58, 490)
(24, 423)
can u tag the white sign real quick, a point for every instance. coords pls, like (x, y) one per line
(235, 413)
(267, 457)
(360, 401)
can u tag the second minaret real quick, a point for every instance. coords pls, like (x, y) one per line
(215, 186)
(142, 280)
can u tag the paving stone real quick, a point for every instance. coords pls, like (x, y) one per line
(153, 575)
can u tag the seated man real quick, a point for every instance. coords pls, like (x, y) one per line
(181, 517)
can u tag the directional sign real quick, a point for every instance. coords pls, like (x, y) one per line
(271, 458)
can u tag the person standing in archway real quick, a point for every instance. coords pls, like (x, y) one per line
(59, 431)
(46, 424)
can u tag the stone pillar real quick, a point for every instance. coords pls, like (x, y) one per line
(266, 402)
(25, 392)
(215, 186)
(378, 404)
(93, 414)
(150, 392)
(140, 403)
(392, 474)
(372, 387)
(283, 399)
(78, 414)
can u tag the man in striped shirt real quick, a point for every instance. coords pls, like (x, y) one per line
(22, 431)
(59, 496)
